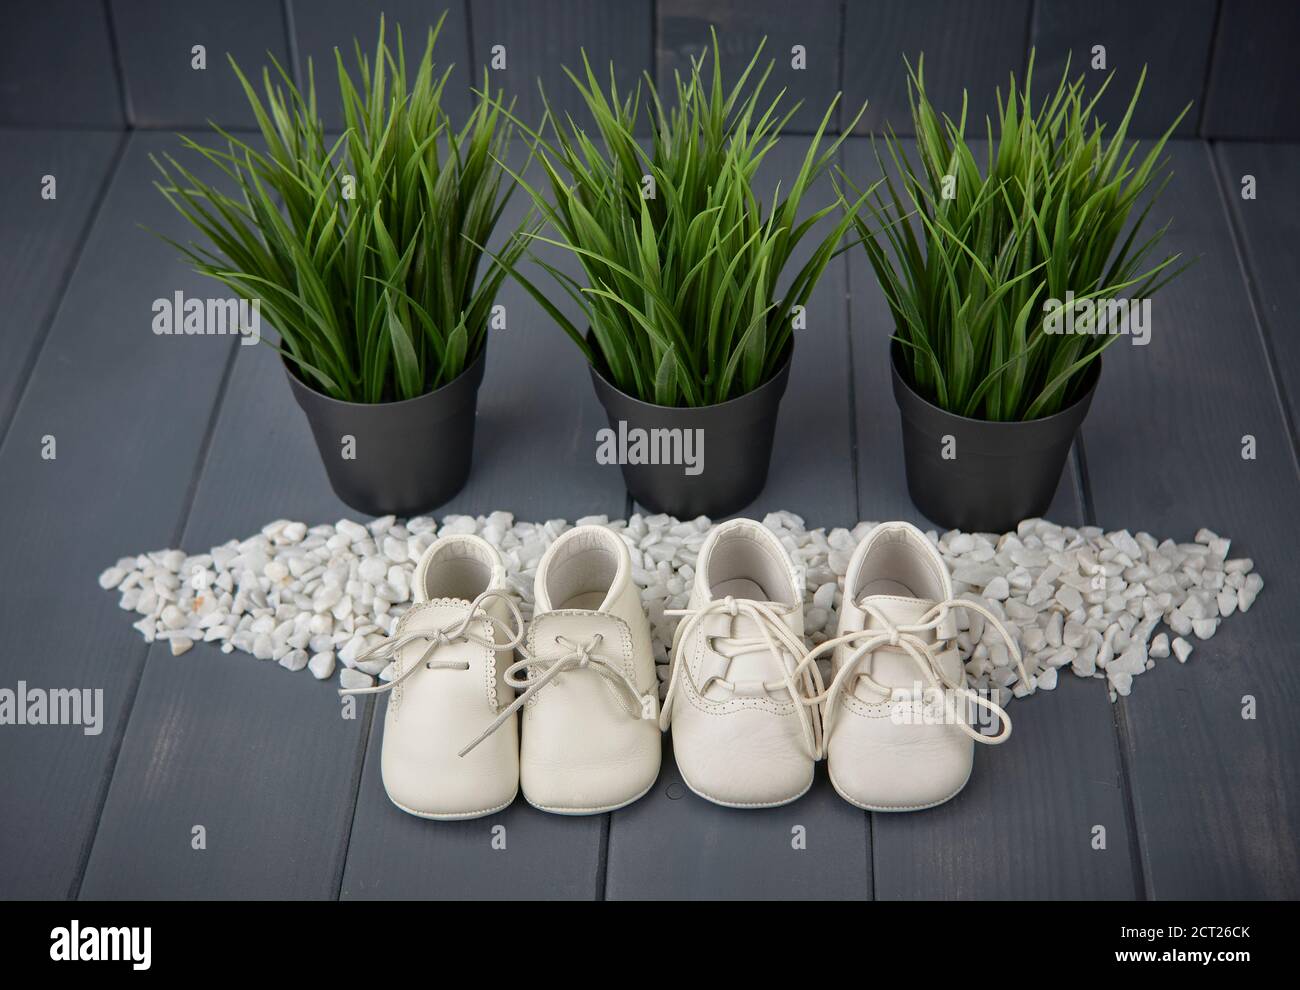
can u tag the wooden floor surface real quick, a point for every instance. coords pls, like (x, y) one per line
(191, 441)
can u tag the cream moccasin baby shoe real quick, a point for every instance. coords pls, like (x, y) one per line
(741, 699)
(450, 654)
(591, 740)
(898, 715)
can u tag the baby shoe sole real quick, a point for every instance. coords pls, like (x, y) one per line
(578, 812)
(896, 807)
(743, 806)
(458, 816)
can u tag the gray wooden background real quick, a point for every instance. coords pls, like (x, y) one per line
(127, 63)
(188, 442)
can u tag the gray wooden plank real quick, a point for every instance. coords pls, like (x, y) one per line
(394, 855)
(535, 440)
(970, 45)
(1254, 53)
(670, 844)
(156, 38)
(1171, 37)
(534, 455)
(194, 721)
(814, 479)
(1268, 224)
(320, 26)
(43, 236)
(128, 410)
(674, 845)
(541, 37)
(683, 34)
(261, 758)
(1022, 827)
(56, 66)
(1218, 811)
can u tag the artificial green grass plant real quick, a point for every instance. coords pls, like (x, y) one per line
(970, 296)
(681, 257)
(364, 249)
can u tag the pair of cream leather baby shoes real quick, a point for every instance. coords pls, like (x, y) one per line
(455, 742)
(750, 712)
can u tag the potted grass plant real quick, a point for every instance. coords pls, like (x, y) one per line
(997, 265)
(364, 252)
(685, 319)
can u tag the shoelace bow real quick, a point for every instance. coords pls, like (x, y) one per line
(802, 681)
(579, 656)
(907, 636)
(391, 649)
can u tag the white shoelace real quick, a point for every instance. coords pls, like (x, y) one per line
(391, 649)
(802, 681)
(907, 636)
(580, 656)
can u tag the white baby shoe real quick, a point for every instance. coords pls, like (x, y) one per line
(741, 700)
(591, 740)
(898, 713)
(450, 653)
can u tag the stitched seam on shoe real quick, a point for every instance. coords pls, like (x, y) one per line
(395, 702)
(866, 709)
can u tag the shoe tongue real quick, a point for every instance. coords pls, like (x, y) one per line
(899, 611)
(439, 614)
(579, 628)
(751, 665)
(891, 666)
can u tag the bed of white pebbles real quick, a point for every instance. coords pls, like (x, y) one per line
(1078, 599)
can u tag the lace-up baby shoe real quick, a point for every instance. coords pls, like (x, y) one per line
(450, 654)
(591, 740)
(897, 716)
(741, 699)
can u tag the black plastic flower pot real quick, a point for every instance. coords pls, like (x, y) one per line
(401, 457)
(729, 446)
(982, 476)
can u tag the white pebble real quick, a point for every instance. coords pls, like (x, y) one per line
(351, 531)
(294, 660)
(1074, 598)
(1204, 628)
(111, 578)
(350, 678)
(321, 665)
(825, 596)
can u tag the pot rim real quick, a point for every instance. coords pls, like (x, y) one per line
(299, 383)
(781, 370)
(1094, 370)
